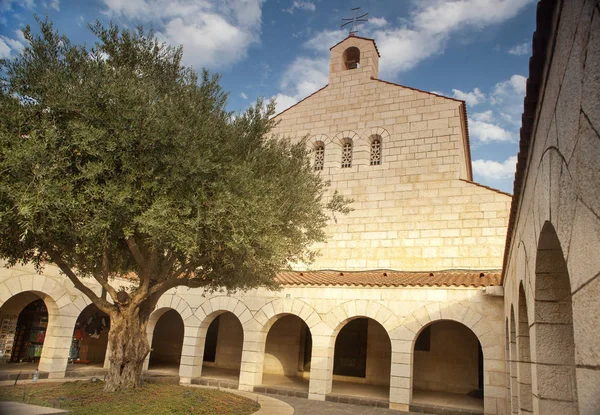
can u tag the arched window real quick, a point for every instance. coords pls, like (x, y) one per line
(319, 156)
(347, 153)
(375, 150)
(351, 57)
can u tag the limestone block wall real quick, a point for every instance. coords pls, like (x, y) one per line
(556, 234)
(416, 210)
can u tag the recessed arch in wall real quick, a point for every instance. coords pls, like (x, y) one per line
(552, 329)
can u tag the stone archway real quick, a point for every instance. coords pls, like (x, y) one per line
(222, 345)
(552, 329)
(447, 367)
(287, 354)
(166, 330)
(63, 306)
(405, 335)
(361, 364)
(89, 345)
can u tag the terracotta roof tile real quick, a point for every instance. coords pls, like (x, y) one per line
(383, 278)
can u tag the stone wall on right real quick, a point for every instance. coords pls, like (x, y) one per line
(552, 261)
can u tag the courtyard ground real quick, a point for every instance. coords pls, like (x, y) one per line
(86, 397)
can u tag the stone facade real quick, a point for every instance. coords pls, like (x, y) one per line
(552, 270)
(418, 210)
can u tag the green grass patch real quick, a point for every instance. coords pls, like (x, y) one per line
(85, 397)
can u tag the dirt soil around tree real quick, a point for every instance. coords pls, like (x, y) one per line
(86, 397)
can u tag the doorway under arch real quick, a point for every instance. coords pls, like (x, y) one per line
(167, 342)
(288, 352)
(362, 360)
(24, 320)
(447, 368)
(90, 340)
(222, 357)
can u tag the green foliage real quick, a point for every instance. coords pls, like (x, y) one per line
(118, 147)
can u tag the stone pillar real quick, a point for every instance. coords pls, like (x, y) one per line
(321, 363)
(253, 355)
(57, 344)
(192, 352)
(402, 366)
(524, 366)
(514, 390)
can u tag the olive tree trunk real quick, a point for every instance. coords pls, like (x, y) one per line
(128, 349)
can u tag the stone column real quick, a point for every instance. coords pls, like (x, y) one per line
(253, 355)
(402, 360)
(192, 352)
(321, 363)
(57, 344)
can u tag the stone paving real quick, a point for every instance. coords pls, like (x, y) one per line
(309, 407)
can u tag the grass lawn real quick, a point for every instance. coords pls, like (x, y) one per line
(85, 397)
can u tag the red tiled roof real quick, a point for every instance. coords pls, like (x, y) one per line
(383, 278)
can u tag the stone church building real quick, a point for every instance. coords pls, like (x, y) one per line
(434, 294)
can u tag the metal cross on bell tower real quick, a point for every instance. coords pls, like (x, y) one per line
(354, 20)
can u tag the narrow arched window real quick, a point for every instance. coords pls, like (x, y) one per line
(376, 151)
(347, 153)
(319, 156)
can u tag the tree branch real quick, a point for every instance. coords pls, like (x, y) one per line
(141, 263)
(161, 287)
(104, 283)
(101, 303)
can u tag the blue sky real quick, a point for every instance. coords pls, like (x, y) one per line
(476, 50)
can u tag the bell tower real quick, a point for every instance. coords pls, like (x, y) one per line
(355, 56)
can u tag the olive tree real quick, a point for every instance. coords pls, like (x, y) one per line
(116, 161)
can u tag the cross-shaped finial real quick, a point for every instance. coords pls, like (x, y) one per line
(354, 20)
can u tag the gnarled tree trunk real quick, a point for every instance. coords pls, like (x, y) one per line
(128, 348)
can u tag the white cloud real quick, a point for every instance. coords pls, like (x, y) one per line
(378, 21)
(485, 116)
(508, 97)
(301, 5)
(487, 132)
(471, 98)
(304, 76)
(522, 49)
(494, 170)
(517, 84)
(244, 96)
(10, 46)
(443, 17)
(213, 33)
(4, 48)
(283, 102)
(51, 4)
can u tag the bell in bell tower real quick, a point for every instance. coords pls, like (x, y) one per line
(355, 58)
